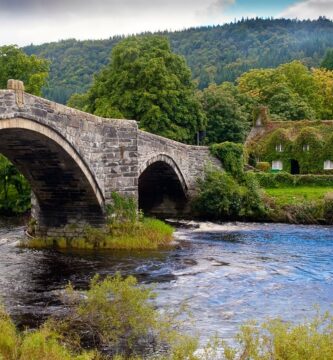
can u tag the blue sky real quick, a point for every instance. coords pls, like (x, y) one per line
(37, 21)
(264, 8)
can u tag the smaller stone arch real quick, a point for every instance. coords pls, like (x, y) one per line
(171, 162)
(162, 188)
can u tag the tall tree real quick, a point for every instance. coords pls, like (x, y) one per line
(289, 90)
(327, 62)
(228, 113)
(147, 82)
(15, 64)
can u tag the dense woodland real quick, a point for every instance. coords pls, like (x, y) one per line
(214, 54)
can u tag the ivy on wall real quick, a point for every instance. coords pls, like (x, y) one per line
(309, 144)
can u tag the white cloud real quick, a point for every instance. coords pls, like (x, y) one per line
(309, 9)
(37, 21)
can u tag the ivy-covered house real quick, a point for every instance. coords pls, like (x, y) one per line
(297, 147)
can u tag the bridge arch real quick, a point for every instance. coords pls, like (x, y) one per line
(64, 187)
(163, 189)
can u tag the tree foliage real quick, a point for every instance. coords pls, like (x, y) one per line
(209, 51)
(290, 90)
(15, 64)
(14, 189)
(327, 62)
(145, 81)
(228, 112)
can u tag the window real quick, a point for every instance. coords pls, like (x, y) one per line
(279, 148)
(306, 147)
(277, 165)
(328, 165)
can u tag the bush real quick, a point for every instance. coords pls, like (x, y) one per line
(39, 344)
(277, 339)
(263, 166)
(119, 315)
(122, 209)
(232, 157)
(220, 196)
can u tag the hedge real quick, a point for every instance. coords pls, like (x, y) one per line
(268, 180)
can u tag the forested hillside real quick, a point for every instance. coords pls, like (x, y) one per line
(214, 54)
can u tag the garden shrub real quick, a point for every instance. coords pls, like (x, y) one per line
(263, 166)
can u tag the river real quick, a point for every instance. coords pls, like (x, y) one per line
(226, 274)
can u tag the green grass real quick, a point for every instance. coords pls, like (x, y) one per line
(298, 194)
(148, 234)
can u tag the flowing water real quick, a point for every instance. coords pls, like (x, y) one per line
(226, 274)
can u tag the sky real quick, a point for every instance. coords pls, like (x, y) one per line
(38, 21)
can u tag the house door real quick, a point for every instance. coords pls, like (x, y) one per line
(294, 167)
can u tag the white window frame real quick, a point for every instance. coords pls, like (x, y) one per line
(279, 148)
(328, 165)
(277, 165)
(306, 147)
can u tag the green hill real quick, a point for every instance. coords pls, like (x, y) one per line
(215, 54)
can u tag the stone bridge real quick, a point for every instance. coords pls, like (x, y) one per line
(74, 161)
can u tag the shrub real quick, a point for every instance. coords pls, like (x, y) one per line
(117, 314)
(231, 155)
(122, 209)
(39, 344)
(46, 344)
(276, 339)
(9, 339)
(220, 196)
(263, 166)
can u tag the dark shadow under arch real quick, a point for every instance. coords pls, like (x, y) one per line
(161, 192)
(63, 187)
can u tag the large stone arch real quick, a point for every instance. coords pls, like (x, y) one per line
(162, 188)
(66, 191)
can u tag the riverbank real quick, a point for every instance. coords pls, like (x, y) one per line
(146, 234)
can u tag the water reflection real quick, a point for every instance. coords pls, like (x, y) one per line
(227, 273)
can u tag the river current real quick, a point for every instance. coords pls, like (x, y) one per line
(226, 274)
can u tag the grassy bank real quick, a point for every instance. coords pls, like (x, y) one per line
(300, 204)
(147, 234)
(298, 194)
(126, 229)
